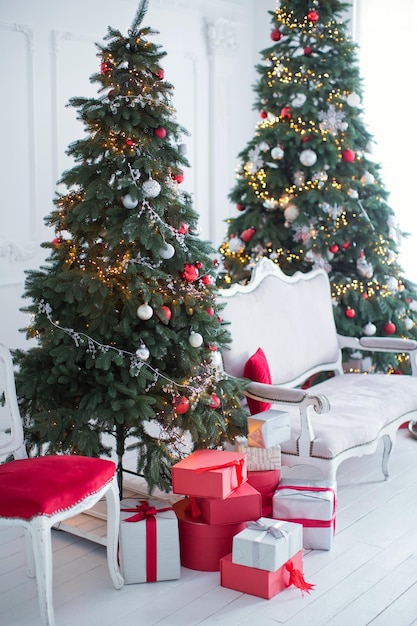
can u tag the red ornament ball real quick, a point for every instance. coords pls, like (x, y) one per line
(181, 405)
(206, 280)
(313, 16)
(345, 245)
(178, 178)
(198, 265)
(240, 207)
(305, 138)
(105, 67)
(160, 132)
(334, 248)
(389, 328)
(167, 312)
(308, 51)
(350, 313)
(348, 155)
(210, 311)
(276, 35)
(214, 401)
(182, 229)
(160, 73)
(130, 143)
(286, 113)
(189, 273)
(263, 114)
(247, 234)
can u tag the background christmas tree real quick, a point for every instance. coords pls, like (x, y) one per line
(308, 192)
(124, 311)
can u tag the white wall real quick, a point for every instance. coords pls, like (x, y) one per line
(48, 53)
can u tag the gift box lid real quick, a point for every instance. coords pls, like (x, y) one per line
(267, 543)
(209, 473)
(301, 500)
(195, 527)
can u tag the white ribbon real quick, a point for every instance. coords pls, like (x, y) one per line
(264, 529)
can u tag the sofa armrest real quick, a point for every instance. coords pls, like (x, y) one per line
(282, 395)
(378, 344)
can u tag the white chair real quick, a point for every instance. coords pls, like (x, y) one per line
(38, 493)
(291, 320)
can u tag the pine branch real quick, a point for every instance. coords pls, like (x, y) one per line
(141, 12)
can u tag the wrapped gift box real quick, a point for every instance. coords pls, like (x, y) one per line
(259, 459)
(209, 473)
(268, 429)
(310, 503)
(203, 545)
(148, 542)
(265, 482)
(267, 543)
(257, 582)
(244, 503)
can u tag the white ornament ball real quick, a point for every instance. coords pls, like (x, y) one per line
(277, 153)
(195, 340)
(143, 353)
(408, 323)
(308, 157)
(353, 99)
(129, 202)
(236, 245)
(353, 194)
(216, 359)
(271, 204)
(392, 283)
(263, 146)
(413, 305)
(367, 178)
(151, 188)
(144, 311)
(369, 329)
(167, 251)
(291, 212)
(298, 100)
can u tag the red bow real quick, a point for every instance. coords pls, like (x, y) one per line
(297, 579)
(237, 463)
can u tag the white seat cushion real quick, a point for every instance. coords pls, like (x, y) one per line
(360, 406)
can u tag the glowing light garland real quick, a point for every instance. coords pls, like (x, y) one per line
(193, 385)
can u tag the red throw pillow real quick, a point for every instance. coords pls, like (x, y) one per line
(257, 369)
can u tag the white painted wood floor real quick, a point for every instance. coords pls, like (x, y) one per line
(369, 577)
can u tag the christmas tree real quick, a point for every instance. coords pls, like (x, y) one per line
(308, 192)
(124, 311)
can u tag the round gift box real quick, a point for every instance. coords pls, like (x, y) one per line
(265, 481)
(203, 545)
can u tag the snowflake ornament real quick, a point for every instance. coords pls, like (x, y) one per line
(334, 210)
(332, 120)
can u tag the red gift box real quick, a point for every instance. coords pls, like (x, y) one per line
(202, 545)
(209, 473)
(258, 582)
(265, 481)
(243, 504)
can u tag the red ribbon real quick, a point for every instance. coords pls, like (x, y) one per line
(237, 463)
(297, 579)
(146, 512)
(192, 507)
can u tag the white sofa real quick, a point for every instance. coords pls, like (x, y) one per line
(291, 320)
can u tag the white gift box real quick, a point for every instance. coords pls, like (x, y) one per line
(311, 503)
(259, 459)
(149, 547)
(268, 429)
(267, 544)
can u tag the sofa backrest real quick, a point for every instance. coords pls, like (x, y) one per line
(290, 318)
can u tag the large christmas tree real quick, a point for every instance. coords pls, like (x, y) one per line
(308, 192)
(124, 311)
